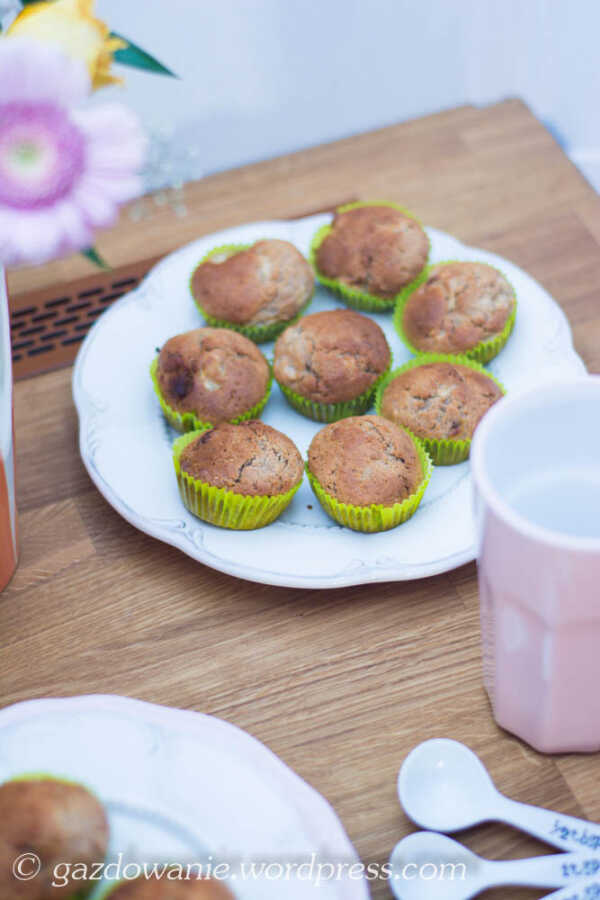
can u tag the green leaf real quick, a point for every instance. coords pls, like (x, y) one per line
(94, 257)
(132, 55)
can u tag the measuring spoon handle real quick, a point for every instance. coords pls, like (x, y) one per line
(564, 832)
(582, 890)
(545, 871)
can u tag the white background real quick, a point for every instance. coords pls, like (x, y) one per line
(263, 77)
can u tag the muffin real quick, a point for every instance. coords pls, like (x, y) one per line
(467, 308)
(328, 364)
(255, 289)
(368, 473)
(369, 253)
(171, 889)
(208, 376)
(441, 400)
(57, 821)
(237, 476)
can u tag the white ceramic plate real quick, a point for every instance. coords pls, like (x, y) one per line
(184, 787)
(126, 445)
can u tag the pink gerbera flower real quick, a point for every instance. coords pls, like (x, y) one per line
(64, 170)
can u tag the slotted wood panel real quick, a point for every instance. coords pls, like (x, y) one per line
(48, 325)
(341, 684)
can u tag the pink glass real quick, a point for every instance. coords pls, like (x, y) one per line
(539, 563)
(8, 516)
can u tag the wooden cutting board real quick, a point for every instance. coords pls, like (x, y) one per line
(341, 684)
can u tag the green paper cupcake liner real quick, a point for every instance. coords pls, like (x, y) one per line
(47, 776)
(354, 297)
(223, 507)
(376, 517)
(332, 412)
(443, 452)
(484, 351)
(260, 333)
(188, 421)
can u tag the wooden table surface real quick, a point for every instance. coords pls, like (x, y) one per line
(341, 684)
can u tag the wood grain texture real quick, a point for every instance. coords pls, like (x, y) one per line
(341, 684)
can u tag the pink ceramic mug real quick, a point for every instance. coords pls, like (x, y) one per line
(536, 466)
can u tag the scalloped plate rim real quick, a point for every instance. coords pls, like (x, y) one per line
(356, 572)
(311, 806)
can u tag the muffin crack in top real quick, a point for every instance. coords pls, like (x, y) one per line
(244, 465)
(385, 440)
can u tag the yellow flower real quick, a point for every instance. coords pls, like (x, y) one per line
(71, 25)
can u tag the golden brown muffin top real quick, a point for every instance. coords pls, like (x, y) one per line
(250, 458)
(377, 249)
(215, 373)
(439, 400)
(364, 460)
(60, 823)
(172, 889)
(460, 304)
(269, 282)
(331, 357)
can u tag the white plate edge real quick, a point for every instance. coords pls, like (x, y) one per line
(306, 800)
(350, 578)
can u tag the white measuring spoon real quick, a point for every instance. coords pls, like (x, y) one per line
(444, 786)
(430, 866)
(581, 890)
